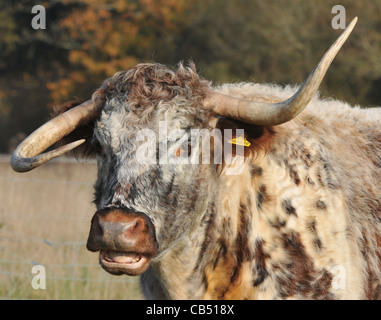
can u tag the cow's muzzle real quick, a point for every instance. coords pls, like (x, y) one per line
(125, 240)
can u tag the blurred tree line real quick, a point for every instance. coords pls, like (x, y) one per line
(86, 41)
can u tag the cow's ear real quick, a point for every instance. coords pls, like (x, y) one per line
(84, 131)
(250, 138)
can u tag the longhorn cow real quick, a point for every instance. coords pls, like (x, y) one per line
(300, 220)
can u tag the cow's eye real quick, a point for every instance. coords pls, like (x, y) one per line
(185, 148)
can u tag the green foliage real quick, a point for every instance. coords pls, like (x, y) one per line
(249, 40)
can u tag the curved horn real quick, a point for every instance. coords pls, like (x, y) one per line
(27, 155)
(266, 114)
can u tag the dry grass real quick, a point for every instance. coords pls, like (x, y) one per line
(45, 218)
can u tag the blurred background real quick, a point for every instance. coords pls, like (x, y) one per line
(45, 214)
(87, 41)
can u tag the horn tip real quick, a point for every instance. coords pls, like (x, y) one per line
(352, 23)
(23, 164)
(20, 165)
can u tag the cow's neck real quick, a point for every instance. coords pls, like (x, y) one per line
(217, 252)
(233, 262)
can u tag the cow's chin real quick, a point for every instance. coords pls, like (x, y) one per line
(118, 263)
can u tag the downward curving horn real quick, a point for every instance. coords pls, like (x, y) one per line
(266, 114)
(27, 155)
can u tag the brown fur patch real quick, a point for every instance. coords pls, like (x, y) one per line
(209, 240)
(218, 277)
(373, 288)
(289, 208)
(262, 196)
(219, 280)
(260, 269)
(256, 171)
(231, 263)
(299, 276)
(293, 173)
(242, 249)
(321, 205)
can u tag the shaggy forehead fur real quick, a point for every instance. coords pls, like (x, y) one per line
(302, 220)
(147, 85)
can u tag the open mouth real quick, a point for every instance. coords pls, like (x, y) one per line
(130, 263)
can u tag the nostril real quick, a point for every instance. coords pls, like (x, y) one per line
(96, 227)
(135, 226)
(96, 233)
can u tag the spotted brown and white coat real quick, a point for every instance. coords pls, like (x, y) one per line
(301, 221)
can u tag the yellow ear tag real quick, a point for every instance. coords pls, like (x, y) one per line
(241, 141)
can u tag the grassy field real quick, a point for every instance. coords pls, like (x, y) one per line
(44, 219)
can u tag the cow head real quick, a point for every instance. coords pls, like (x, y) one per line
(146, 200)
(138, 124)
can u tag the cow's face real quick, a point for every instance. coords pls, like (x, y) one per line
(149, 191)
